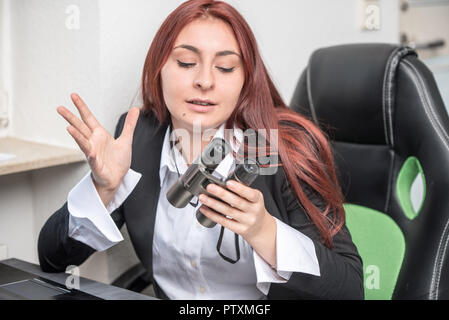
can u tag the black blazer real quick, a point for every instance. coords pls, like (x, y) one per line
(340, 268)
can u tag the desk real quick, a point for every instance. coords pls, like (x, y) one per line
(31, 155)
(95, 288)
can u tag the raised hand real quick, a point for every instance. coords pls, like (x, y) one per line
(108, 158)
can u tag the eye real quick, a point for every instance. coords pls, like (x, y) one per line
(185, 65)
(189, 65)
(226, 69)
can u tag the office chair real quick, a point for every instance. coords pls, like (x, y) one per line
(389, 130)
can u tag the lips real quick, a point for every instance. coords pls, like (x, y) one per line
(201, 102)
(200, 108)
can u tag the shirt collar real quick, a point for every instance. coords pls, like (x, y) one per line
(167, 162)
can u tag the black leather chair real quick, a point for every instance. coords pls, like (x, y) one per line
(380, 106)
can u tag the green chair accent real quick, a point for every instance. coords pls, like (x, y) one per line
(379, 239)
(409, 172)
(381, 245)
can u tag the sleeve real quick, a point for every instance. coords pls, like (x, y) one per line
(301, 259)
(341, 273)
(90, 221)
(56, 250)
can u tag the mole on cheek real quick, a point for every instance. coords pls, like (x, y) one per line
(183, 114)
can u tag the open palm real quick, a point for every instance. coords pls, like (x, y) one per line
(108, 158)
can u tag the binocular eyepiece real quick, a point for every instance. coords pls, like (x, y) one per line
(195, 180)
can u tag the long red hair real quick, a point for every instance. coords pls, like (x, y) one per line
(303, 148)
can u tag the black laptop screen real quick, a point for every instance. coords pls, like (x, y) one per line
(31, 289)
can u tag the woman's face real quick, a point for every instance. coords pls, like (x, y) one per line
(204, 64)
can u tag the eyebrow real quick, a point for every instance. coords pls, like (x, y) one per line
(198, 51)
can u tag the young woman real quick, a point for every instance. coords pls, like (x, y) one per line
(203, 70)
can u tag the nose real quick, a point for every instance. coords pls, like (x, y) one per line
(204, 79)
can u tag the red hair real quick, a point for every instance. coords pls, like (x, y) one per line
(303, 148)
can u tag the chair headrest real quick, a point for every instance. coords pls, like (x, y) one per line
(349, 87)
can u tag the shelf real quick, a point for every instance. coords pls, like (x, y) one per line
(33, 155)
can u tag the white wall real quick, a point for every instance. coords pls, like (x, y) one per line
(5, 70)
(104, 58)
(16, 215)
(103, 61)
(48, 63)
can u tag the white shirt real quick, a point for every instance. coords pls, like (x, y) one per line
(186, 264)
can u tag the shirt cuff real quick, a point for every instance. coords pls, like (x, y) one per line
(128, 184)
(90, 221)
(295, 252)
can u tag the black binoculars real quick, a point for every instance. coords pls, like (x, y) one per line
(201, 173)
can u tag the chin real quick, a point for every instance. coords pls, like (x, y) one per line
(204, 120)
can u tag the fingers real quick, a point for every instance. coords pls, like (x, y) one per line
(130, 124)
(220, 207)
(82, 142)
(84, 111)
(74, 121)
(250, 194)
(220, 219)
(229, 197)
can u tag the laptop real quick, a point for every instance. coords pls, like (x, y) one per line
(16, 284)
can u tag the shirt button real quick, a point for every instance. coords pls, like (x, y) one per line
(193, 264)
(202, 289)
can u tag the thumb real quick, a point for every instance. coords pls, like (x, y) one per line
(130, 124)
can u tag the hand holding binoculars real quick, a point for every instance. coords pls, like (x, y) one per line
(201, 173)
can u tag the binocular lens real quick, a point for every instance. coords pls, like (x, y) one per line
(214, 153)
(247, 172)
(250, 168)
(178, 195)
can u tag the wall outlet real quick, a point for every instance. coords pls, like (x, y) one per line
(369, 17)
(3, 252)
